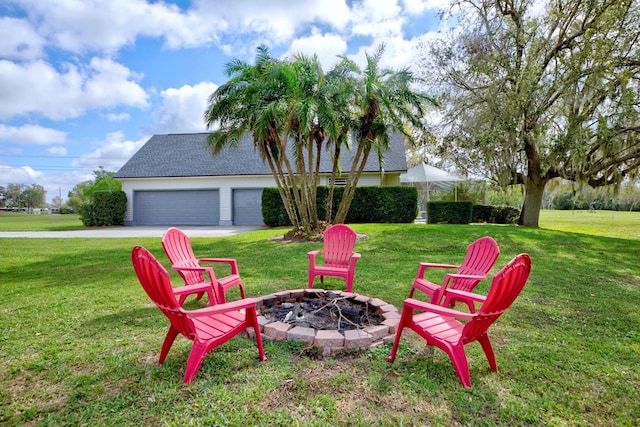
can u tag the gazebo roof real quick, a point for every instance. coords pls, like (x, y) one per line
(424, 173)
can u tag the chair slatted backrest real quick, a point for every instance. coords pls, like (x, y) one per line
(339, 241)
(177, 246)
(480, 257)
(155, 281)
(505, 288)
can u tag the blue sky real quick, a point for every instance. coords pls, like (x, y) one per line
(85, 83)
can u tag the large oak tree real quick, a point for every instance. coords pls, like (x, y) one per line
(534, 91)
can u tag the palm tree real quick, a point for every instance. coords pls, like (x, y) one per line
(251, 102)
(275, 100)
(294, 111)
(384, 102)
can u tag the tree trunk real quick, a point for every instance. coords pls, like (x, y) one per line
(530, 212)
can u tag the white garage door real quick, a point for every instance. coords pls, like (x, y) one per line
(176, 207)
(247, 206)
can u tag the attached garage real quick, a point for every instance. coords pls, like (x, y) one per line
(175, 179)
(181, 207)
(247, 206)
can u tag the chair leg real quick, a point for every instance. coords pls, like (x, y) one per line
(172, 333)
(222, 297)
(488, 351)
(196, 356)
(461, 364)
(349, 281)
(253, 321)
(405, 318)
(182, 299)
(310, 281)
(212, 298)
(241, 291)
(396, 341)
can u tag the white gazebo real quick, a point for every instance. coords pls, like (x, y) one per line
(435, 180)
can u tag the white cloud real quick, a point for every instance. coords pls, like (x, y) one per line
(417, 7)
(19, 175)
(56, 151)
(326, 46)
(377, 19)
(37, 87)
(111, 153)
(182, 109)
(31, 134)
(275, 21)
(96, 25)
(118, 117)
(19, 39)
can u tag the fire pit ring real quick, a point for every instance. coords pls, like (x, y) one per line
(380, 328)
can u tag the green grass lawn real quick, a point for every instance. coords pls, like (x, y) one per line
(79, 339)
(10, 221)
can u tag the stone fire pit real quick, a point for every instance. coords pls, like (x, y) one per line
(305, 315)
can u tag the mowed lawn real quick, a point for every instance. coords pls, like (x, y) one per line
(79, 339)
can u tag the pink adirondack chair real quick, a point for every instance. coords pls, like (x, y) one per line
(338, 258)
(207, 327)
(481, 256)
(439, 325)
(177, 246)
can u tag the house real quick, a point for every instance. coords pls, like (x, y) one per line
(175, 180)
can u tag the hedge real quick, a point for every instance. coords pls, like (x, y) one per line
(449, 212)
(369, 205)
(495, 214)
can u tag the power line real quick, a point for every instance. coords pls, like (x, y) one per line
(63, 157)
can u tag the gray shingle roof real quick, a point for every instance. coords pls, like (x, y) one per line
(184, 155)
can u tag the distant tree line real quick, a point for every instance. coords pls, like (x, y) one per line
(22, 196)
(34, 196)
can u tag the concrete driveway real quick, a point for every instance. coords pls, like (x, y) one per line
(120, 232)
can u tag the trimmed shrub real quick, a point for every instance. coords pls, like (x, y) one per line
(273, 212)
(106, 208)
(449, 212)
(483, 213)
(495, 214)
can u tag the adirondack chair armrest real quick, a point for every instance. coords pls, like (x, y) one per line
(432, 308)
(424, 265)
(231, 261)
(354, 259)
(437, 296)
(246, 303)
(424, 286)
(207, 270)
(313, 254)
(466, 276)
(452, 293)
(192, 289)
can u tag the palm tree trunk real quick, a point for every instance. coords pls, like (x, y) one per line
(360, 159)
(332, 185)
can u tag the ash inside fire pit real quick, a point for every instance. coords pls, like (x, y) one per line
(324, 311)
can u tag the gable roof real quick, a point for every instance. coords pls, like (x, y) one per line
(187, 155)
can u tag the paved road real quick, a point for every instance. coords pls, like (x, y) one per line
(119, 232)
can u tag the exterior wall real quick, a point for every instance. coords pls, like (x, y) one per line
(372, 180)
(391, 180)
